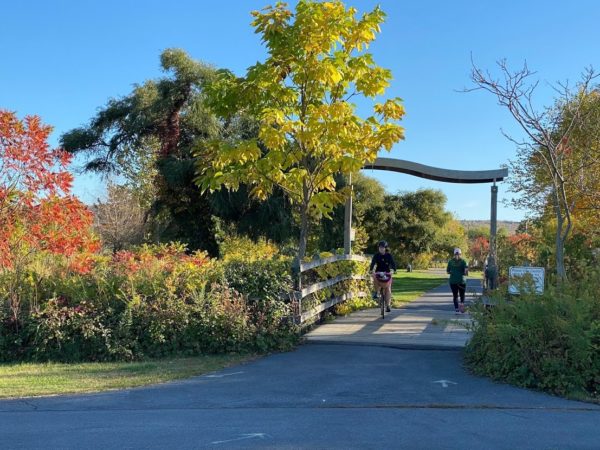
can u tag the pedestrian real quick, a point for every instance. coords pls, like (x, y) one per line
(457, 269)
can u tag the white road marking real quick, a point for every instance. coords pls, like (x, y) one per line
(445, 383)
(242, 437)
(222, 375)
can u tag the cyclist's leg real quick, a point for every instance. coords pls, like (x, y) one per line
(388, 294)
(378, 286)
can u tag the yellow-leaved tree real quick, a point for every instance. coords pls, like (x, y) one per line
(300, 96)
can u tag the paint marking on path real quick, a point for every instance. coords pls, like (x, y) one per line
(444, 383)
(222, 375)
(242, 437)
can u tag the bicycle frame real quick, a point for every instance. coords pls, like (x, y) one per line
(381, 291)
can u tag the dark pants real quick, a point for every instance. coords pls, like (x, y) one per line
(458, 289)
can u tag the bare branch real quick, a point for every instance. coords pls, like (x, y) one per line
(548, 131)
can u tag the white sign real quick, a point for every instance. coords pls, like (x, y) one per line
(515, 273)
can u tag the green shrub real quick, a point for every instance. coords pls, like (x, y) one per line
(549, 342)
(259, 280)
(61, 332)
(241, 248)
(149, 302)
(274, 326)
(354, 304)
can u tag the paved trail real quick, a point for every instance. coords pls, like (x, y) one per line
(360, 395)
(426, 323)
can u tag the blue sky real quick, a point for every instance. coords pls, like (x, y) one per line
(64, 59)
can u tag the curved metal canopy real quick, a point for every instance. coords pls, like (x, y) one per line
(435, 173)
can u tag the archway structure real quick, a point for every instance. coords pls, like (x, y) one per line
(437, 174)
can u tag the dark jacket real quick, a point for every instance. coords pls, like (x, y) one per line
(457, 269)
(383, 263)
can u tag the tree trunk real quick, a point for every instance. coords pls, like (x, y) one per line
(561, 274)
(560, 260)
(303, 223)
(303, 233)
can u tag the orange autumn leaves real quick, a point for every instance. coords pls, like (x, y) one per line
(38, 213)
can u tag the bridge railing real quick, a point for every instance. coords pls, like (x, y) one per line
(320, 288)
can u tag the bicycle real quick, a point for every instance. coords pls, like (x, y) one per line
(382, 276)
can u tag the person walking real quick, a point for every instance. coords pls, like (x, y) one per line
(457, 269)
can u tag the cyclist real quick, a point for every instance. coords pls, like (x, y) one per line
(384, 263)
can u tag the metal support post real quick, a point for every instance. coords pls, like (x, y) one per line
(491, 273)
(348, 221)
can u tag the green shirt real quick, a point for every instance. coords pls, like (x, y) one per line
(456, 268)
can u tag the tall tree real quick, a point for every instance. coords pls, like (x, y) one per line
(38, 214)
(37, 210)
(148, 137)
(308, 128)
(411, 222)
(153, 130)
(582, 163)
(450, 236)
(119, 220)
(539, 172)
(272, 219)
(368, 195)
(478, 250)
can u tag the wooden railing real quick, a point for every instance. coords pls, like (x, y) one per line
(302, 292)
(322, 261)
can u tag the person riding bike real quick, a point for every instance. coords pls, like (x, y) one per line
(384, 263)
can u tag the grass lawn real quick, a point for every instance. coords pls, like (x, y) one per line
(476, 274)
(28, 380)
(408, 286)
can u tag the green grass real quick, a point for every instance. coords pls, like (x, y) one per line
(408, 286)
(476, 274)
(30, 380)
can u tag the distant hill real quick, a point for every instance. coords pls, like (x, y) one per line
(510, 226)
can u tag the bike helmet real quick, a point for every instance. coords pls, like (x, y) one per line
(382, 244)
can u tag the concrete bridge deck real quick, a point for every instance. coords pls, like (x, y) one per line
(428, 322)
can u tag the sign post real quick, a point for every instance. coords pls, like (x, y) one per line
(516, 273)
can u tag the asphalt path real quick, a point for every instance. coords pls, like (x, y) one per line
(318, 396)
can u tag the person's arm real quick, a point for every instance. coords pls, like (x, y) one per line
(466, 271)
(448, 268)
(373, 262)
(392, 262)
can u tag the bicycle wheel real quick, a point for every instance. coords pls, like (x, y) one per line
(382, 302)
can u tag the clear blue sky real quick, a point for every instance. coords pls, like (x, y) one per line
(63, 59)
